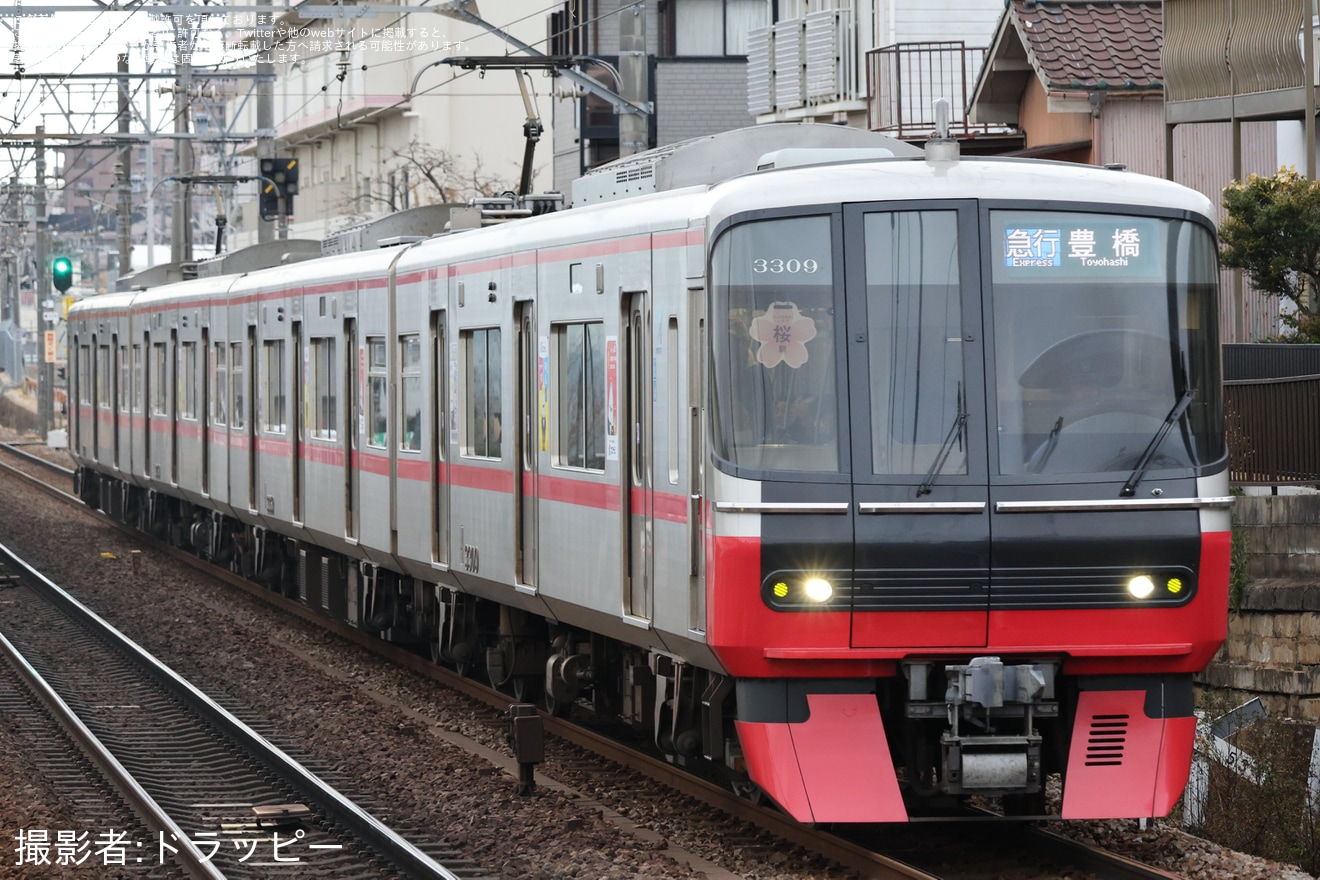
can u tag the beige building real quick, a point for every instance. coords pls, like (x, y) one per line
(377, 125)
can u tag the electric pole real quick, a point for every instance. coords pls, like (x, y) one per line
(124, 210)
(185, 36)
(46, 354)
(265, 34)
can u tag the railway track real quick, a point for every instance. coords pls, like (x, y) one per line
(1010, 851)
(183, 784)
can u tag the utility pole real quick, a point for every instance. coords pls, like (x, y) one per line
(265, 34)
(124, 210)
(45, 364)
(185, 36)
(634, 134)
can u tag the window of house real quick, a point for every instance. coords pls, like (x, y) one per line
(579, 351)
(482, 424)
(715, 27)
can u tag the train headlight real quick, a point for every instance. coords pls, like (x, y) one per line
(818, 589)
(1141, 586)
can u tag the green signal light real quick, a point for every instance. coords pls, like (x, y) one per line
(61, 271)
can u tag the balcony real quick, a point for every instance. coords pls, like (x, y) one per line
(905, 79)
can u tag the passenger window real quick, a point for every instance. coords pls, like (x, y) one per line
(482, 428)
(159, 370)
(272, 417)
(410, 392)
(125, 379)
(187, 380)
(238, 414)
(325, 397)
(103, 378)
(85, 375)
(579, 351)
(220, 385)
(378, 406)
(137, 378)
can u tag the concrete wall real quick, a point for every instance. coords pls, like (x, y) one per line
(1273, 648)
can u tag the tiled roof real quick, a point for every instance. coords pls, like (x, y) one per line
(1075, 44)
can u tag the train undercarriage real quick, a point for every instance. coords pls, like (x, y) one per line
(955, 727)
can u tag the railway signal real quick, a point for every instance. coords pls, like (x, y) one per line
(61, 273)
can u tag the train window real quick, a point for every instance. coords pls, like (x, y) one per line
(914, 341)
(137, 378)
(579, 351)
(775, 384)
(159, 370)
(272, 398)
(1104, 326)
(103, 377)
(220, 385)
(325, 396)
(237, 412)
(125, 379)
(187, 380)
(378, 405)
(482, 428)
(410, 392)
(85, 375)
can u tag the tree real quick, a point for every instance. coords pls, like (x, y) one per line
(423, 175)
(1272, 232)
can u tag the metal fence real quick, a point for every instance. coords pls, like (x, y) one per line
(1273, 431)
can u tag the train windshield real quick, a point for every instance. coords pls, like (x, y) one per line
(776, 376)
(1105, 331)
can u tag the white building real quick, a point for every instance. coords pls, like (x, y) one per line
(375, 127)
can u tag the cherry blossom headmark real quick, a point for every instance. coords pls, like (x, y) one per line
(783, 332)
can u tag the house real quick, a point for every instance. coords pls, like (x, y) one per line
(1084, 82)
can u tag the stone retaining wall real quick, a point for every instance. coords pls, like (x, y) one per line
(1273, 648)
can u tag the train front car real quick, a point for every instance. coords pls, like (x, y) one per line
(968, 516)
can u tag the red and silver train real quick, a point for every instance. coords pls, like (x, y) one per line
(886, 479)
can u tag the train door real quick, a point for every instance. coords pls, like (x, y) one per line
(95, 387)
(525, 440)
(439, 401)
(172, 402)
(915, 360)
(348, 430)
(696, 446)
(251, 393)
(634, 374)
(295, 426)
(204, 409)
(117, 390)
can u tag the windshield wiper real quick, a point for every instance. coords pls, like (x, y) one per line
(1036, 463)
(1130, 487)
(955, 432)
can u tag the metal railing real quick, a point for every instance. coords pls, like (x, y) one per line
(903, 81)
(1273, 431)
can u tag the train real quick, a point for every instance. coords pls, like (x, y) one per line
(878, 478)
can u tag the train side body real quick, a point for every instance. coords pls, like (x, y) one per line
(793, 468)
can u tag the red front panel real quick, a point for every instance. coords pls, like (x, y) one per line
(1123, 764)
(834, 767)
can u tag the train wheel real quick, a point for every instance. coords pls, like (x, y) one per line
(526, 688)
(556, 707)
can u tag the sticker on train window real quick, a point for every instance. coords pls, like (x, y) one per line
(1043, 247)
(783, 332)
